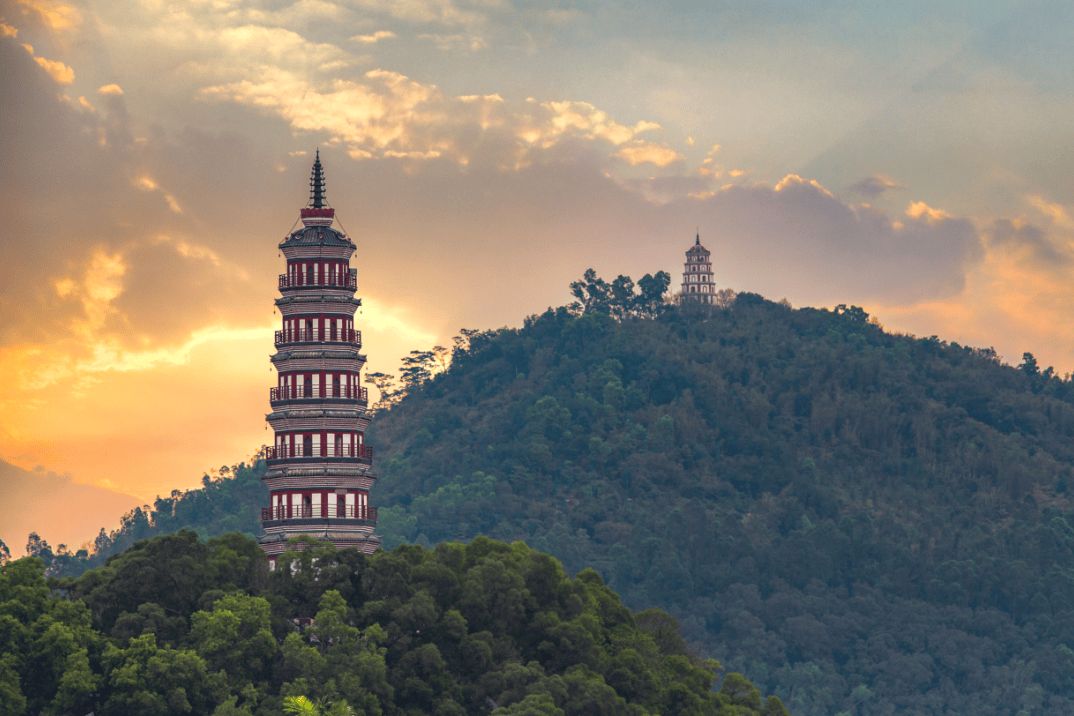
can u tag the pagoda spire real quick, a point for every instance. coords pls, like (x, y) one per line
(317, 211)
(317, 184)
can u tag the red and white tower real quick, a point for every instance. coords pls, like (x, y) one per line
(697, 282)
(319, 469)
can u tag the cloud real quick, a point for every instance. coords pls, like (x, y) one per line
(874, 186)
(921, 210)
(146, 183)
(387, 114)
(827, 248)
(375, 37)
(1056, 212)
(111, 90)
(54, 15)
(1018, 234)
(582, 118)
(651, 153)
(58, 71)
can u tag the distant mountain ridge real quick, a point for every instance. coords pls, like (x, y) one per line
(73, 512)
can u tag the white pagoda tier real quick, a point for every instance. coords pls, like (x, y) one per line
(319, 468)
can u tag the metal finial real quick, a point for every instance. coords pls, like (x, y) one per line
(698, 241)
(317, 184)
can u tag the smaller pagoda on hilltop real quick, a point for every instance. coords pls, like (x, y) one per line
(697, 285)
(319, 467)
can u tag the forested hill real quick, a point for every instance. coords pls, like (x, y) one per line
(174, 626)
(861, 522)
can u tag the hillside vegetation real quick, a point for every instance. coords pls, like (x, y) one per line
(861, 522)
(178, 626)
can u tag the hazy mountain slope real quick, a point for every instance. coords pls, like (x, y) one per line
(859, 521)
(58, 509)
(226, 503)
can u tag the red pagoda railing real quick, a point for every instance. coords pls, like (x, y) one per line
(301, 451)
(330, 335)
(303, 392)
(301, 279)
(329, 511)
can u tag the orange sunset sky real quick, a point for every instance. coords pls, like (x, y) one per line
(911, 158)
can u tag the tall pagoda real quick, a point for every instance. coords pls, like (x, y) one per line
(319, 467)
(697, 285)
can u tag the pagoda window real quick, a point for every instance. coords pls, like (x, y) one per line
(347, 445)
(335, 387)
(309, 274)
(339, 445)
(307, 390)
(317, 505)
(350, 506)
(296, 504)
(307, 446)
(341, 506)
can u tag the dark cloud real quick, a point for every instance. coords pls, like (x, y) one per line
(1005, 232)
(874, 186)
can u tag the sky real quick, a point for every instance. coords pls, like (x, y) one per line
(910, 158)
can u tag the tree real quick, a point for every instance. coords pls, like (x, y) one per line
(650, 300)
(1029, 365)
(235, 637)
(390, 393)
(725, 298)
(417, 368)
(593, 294)
(145, 680)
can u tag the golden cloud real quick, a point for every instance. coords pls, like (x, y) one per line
(387, 114)
(375, 37)
(58, 71)
(111, 90)
(54, 15)
(791, 180)
(651, 153)
(919, 209)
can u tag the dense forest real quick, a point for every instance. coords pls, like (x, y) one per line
(177, 626)
(860, 522)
